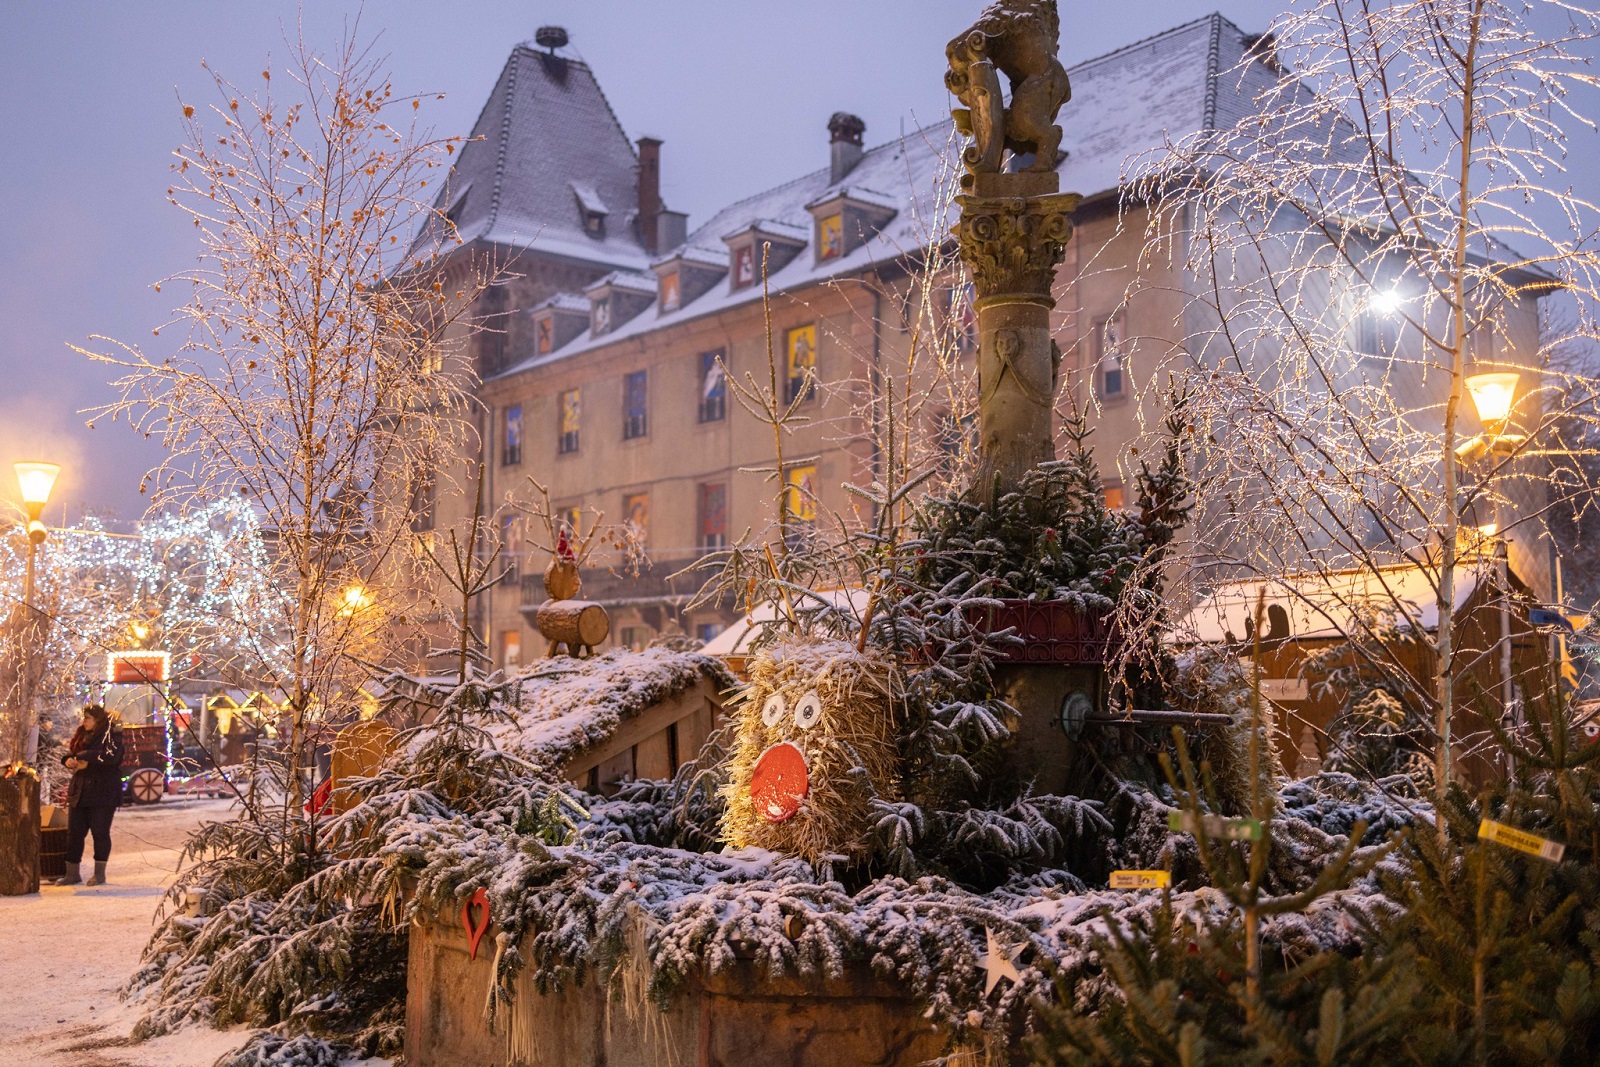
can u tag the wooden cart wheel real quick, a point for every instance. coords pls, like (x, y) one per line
(147, 785)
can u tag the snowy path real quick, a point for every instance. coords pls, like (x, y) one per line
(65, 952)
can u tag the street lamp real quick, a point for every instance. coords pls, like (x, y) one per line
(1492, 394)
(35, 480)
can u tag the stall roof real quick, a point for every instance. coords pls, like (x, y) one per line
(1324, 605)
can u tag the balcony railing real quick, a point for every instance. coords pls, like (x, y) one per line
(655, 583)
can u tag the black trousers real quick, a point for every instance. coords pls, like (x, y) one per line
(86, 819)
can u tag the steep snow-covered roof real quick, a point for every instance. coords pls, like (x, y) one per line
(546, 149)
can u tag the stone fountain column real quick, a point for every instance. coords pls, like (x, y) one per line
(1013, 232)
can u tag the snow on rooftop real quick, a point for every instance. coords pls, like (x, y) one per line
(1326, 605)
(621, 279)
(1125, 104)
(569, 706)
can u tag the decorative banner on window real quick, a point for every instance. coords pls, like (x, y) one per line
(544, 332)
(1140, 879)
(669, 291)
(802, 498)
(744, 266)
(570, 411)
(514, 430)
(571, 517)
(636, 513)
(138, 667)
(1521, 840)
(713, 514)
(830, 237)
(802, 350)
(713, 383)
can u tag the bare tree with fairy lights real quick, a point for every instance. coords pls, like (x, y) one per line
(313, 377)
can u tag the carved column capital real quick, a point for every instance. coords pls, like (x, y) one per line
(1012, 244)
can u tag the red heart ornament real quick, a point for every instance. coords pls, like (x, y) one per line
(479, 899)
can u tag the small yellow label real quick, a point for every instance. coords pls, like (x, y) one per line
(1140, 879)
(1521, 840)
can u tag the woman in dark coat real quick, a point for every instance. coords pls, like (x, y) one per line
(94, 755)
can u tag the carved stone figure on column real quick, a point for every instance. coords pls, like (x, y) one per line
(1014, 228)
(1016, 38)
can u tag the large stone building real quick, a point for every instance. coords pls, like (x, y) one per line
(606, 378)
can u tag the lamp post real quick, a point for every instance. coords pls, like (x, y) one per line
(1492, 394)
(35, 480)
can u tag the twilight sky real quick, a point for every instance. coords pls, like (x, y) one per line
(739, 91)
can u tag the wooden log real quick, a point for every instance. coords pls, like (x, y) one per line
(561, 580)
(580, 625)
(19, 835)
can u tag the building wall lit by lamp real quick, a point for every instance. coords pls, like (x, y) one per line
(1492, 395)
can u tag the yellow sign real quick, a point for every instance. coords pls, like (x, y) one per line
(1140, 879)
(802, 499)
(830, 237)
(1521, 840)
(570, 411)
(802, 350)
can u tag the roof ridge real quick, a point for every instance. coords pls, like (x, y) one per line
(1141, 42)
(513, 64)
(1208, 115)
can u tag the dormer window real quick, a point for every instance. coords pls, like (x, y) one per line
(558, 320)
(778, 241)
(591, 208)
(615, 299)
(744, 266)
(848, 217)
(830, 236)
(686, 274)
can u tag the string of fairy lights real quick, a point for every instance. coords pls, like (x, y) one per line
(196, 586)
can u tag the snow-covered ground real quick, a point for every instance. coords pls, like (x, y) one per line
(65, 953)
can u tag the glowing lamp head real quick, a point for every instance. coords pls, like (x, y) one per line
(355, 599)
(1492, 395)
(1385, 301)
(36, 480)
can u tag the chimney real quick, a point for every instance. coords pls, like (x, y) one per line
(649, 193)
(844, 136)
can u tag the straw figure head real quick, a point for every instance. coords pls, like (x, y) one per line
(815, 746)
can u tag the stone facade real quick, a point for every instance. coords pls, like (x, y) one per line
(843, 248)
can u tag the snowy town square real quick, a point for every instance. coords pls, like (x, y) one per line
(900, 533)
